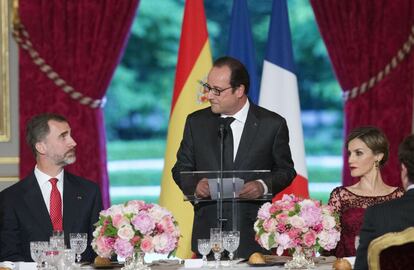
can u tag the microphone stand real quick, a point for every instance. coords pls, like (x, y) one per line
(220, 179)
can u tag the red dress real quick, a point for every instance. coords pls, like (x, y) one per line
(351, 208)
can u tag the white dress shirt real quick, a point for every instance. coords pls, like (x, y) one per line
(46, 186)
(237, 127)
(410, 187)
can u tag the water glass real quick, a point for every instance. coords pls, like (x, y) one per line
(52, 257)
(36, 251)
(69, 257)
(231, 241)
(204, 248)
(78, 242)
(216, 244)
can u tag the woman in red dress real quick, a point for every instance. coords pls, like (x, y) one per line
(367, 153)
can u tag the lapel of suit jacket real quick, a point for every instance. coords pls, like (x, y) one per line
(35, 203)
(248, 135)
(72, 196)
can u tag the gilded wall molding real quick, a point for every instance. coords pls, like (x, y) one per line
(4, 72)
(9, 160)
(9, 178)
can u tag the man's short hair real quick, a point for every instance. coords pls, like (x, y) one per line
(239, 74)
(38, 128)
(406, 156)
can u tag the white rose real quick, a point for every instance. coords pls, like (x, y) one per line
(306, 202)
(264, 240)
(96, 231)
(297, 222)
(126, 232)
(328, 222)
(115, 209)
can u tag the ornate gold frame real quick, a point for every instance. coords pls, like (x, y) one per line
(4, 72)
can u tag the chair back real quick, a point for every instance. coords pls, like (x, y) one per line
(393, 250)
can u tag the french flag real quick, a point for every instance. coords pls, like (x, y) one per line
(279, 92)
(241, 45)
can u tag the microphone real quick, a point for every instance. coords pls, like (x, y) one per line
(222, 128)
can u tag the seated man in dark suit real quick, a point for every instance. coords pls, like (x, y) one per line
(392, 216)
(49, 198)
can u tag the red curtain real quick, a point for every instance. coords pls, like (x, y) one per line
(362, 37)
(83, 42)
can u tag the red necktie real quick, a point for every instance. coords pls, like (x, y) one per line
(55, 206)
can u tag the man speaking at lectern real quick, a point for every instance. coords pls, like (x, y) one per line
(260, 141)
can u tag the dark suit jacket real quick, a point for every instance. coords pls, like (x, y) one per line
(264, 145)
(24, 216)
(392, 216)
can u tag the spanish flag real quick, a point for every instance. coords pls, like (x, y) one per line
(194, 63)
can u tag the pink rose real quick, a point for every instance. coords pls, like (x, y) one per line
(283, 217)
(118, 220)
(318, 228)
(281, 228)
(146, 244)
(294, 233)
(309, 238)
(166, 225)
(270, 224)
(104, 246)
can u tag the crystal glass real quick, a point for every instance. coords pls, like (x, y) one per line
(78, 242)
(36, 252)
(216, 244)
(204, 248)
(136, 262)
(302, 259)
(69, 257)
(231, 241)
(52, 257)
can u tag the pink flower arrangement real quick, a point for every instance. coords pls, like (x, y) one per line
(135, 226)
(292, 223)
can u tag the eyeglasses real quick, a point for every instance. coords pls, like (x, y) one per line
(216, 91)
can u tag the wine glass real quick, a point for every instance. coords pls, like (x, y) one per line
(216, 244)
(204, 248)
(36, 252)
(78, 242)
(231, 241)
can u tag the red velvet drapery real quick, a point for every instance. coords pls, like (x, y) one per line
(82, 41)
(362, 37)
